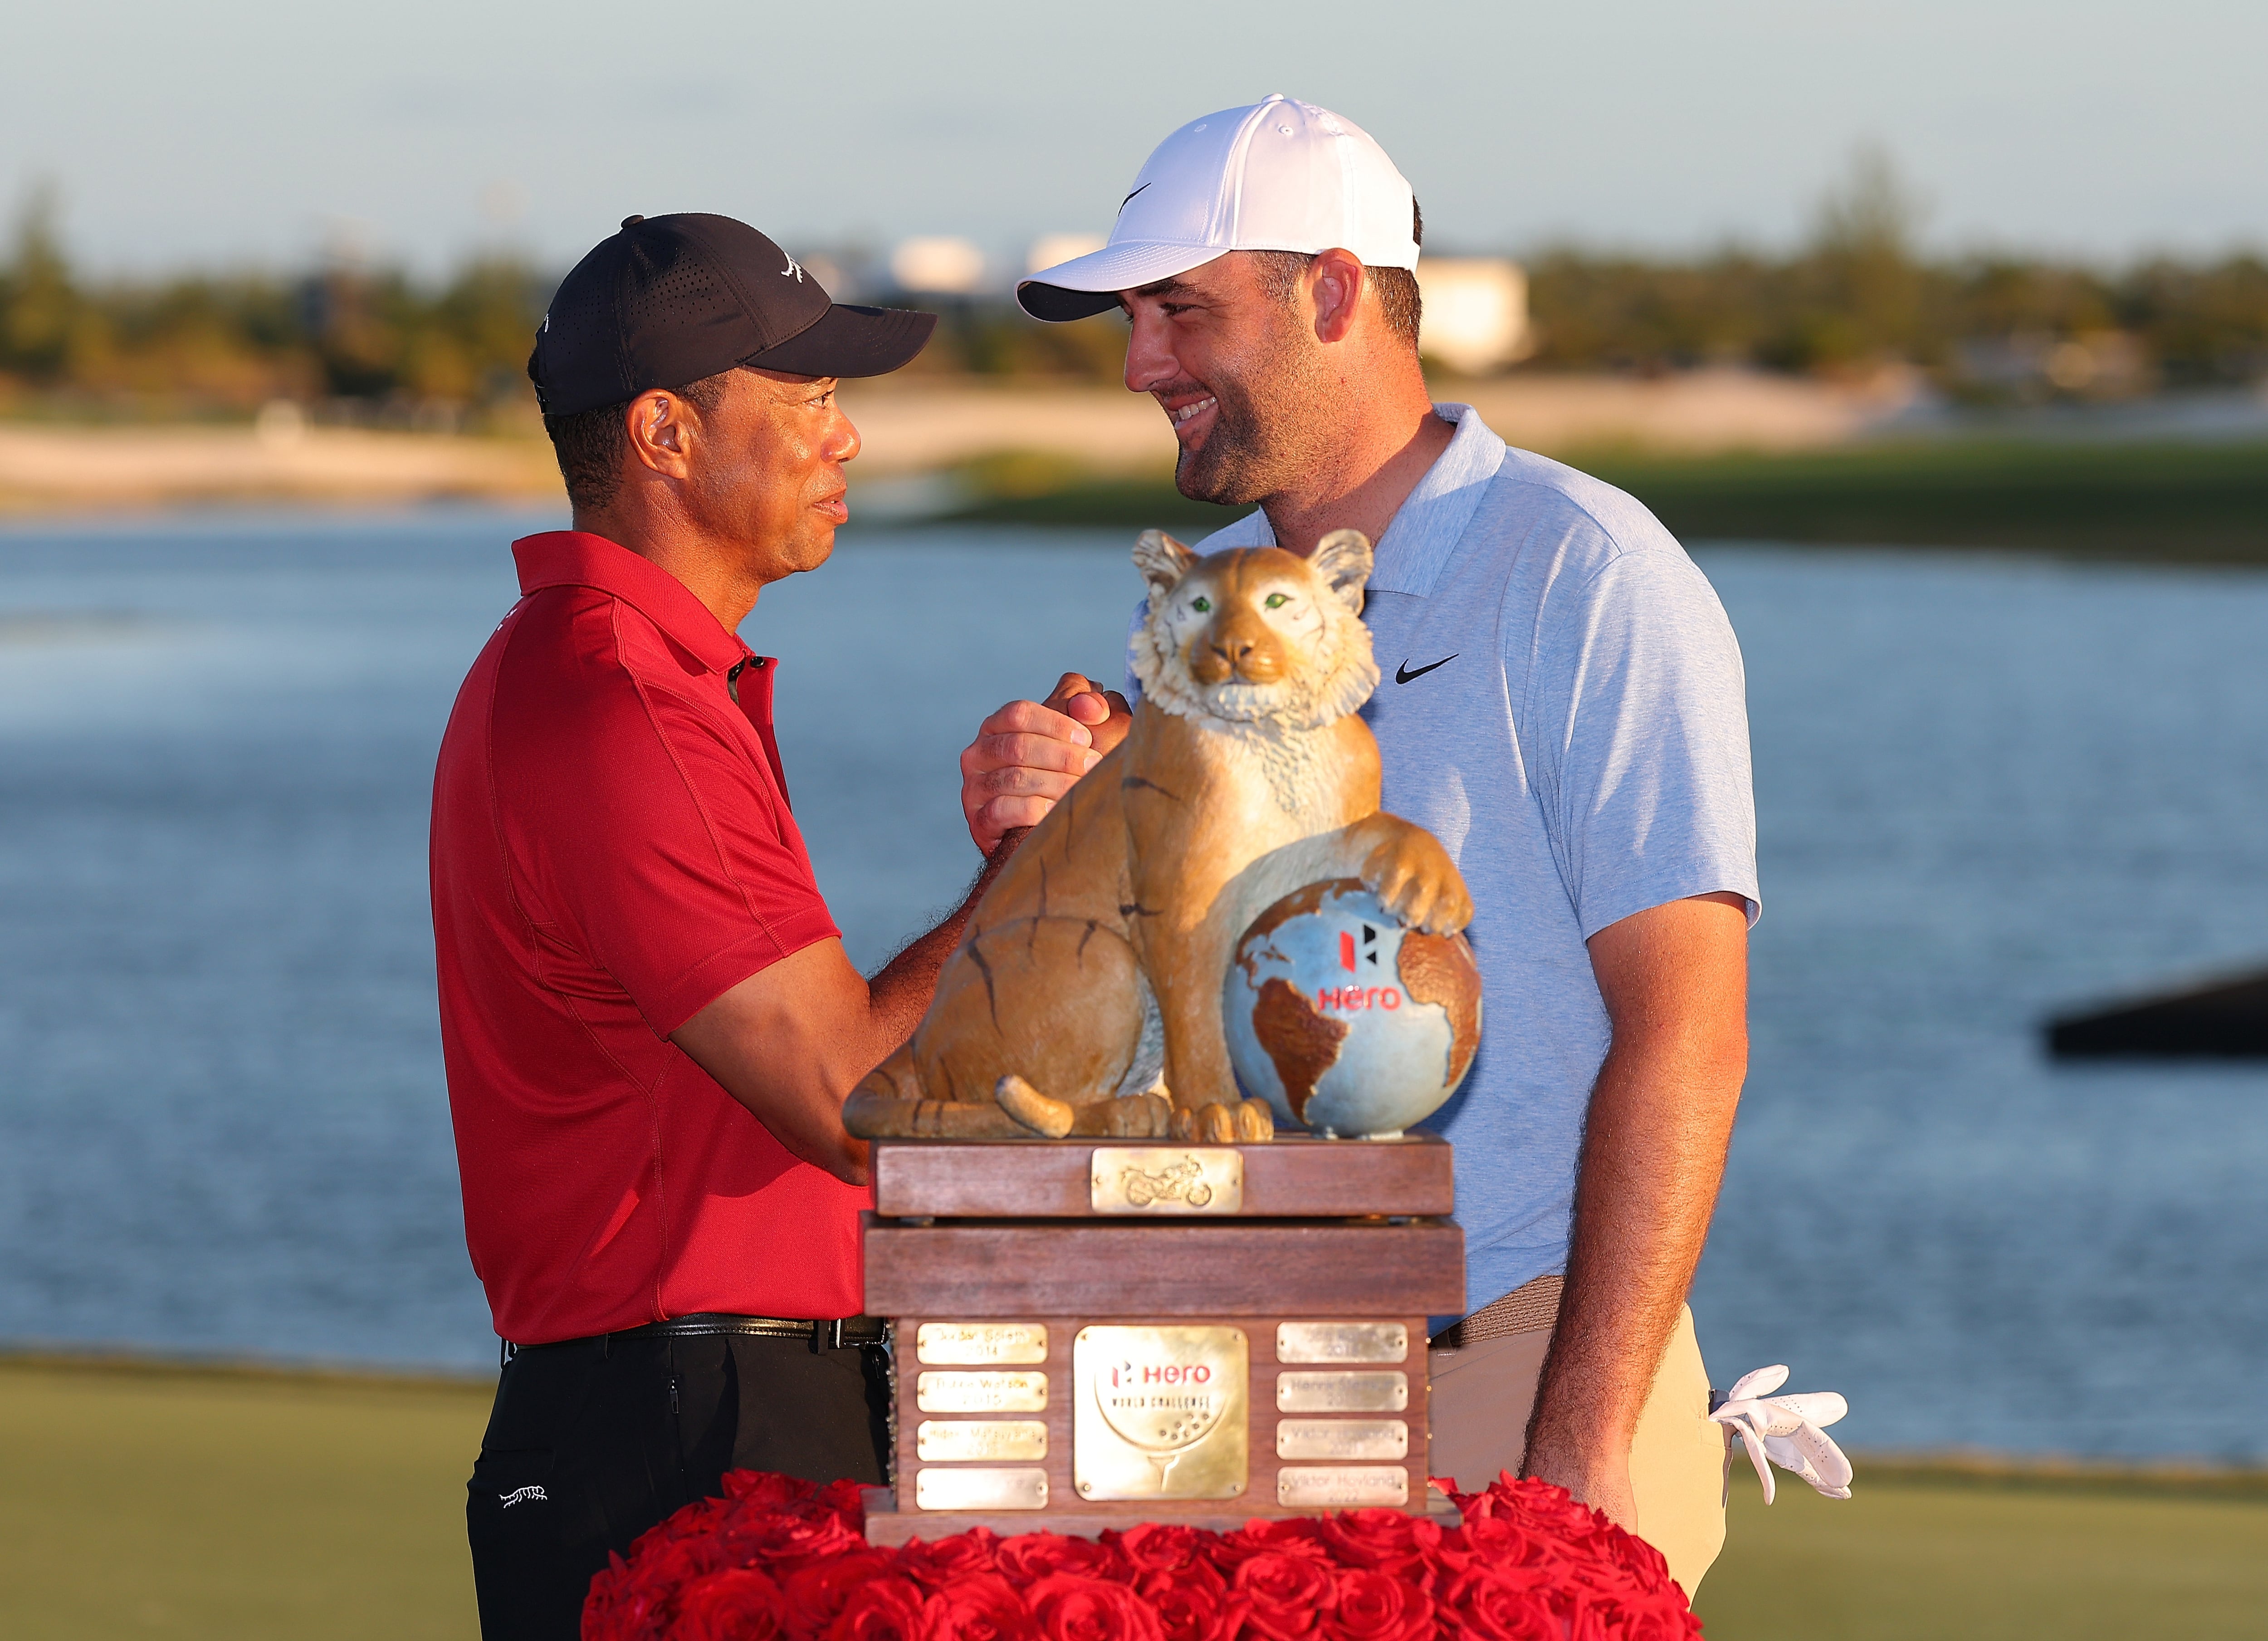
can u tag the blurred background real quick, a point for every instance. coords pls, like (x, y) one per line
(1940, 336)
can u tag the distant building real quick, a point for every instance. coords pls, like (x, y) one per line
(1050, 248)
(942, 266)
(1475, 312)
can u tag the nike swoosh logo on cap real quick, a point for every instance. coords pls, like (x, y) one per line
(1404, 673)
(1129, 200)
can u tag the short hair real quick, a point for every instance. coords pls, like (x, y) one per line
(1280, 272)
(592, 445)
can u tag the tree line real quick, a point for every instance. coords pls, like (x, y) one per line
(1856, 297)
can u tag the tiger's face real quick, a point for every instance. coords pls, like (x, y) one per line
(1256, 636)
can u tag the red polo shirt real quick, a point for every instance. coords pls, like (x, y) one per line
(612, 851)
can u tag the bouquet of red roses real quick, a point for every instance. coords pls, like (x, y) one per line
(781, 1560)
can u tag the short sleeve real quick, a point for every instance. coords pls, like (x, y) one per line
(1637, 723)
(665, 853)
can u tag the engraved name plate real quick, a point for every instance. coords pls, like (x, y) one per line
(1341, 1487)
(1159, 1412)
(1334, 1438)
(982, 1392)
(980, 1489)
(947, 1441)
(1166, 1180)
(981, 1344)
(1340, 1392)
(1340, 1342)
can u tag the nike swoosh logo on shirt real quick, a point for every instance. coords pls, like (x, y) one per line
(1404, 673)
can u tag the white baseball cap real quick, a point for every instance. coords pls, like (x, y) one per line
(1278, 176)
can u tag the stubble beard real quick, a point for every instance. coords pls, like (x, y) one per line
(1256, 448)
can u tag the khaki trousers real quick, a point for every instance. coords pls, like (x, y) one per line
(1479, 1399)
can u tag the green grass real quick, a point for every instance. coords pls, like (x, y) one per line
(154, 1501)
(1930, 1552)
(2195, 503)
(159, 1502)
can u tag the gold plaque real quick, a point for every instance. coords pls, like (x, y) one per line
(1334, 1438)
(980, 1489)
(1159, 1412)
(1340, 1342)
(981, 1344)
(1166, 1180)
(982, 1392)
(1336, 1392)
(947, 1441)
(1341, 1486)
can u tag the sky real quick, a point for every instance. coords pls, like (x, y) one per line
(239, 132)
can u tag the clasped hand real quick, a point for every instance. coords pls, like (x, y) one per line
(1029, 753)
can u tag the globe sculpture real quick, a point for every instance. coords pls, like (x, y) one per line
(1344, 1020)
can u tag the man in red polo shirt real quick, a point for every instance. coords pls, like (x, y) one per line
(647, 1015)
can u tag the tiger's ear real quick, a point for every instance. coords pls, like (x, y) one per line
(1162, 561)
(1343, 559)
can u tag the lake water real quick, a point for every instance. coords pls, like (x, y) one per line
(1987, 787)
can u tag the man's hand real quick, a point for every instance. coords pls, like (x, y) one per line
(1674, 980)
(1028, 754)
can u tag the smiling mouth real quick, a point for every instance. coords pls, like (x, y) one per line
(1190, 412)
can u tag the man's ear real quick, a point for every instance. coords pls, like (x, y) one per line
(1343, 559)
(658, 422)
(1162, 561)
(1336, 280)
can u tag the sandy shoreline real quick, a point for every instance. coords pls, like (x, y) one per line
(910, 428)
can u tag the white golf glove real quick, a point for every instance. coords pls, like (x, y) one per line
(1786, 1431)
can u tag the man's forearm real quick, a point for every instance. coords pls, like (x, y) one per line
(1653, 1156)
(901, 989)
(1675, 981)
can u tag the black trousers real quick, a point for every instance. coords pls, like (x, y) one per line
(594, 1442)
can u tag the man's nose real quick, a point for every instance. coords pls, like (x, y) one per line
(846, 443)
(1149, 361)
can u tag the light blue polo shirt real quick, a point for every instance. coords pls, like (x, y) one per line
(1561, 702)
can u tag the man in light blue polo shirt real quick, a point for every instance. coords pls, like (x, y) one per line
(1562, 706)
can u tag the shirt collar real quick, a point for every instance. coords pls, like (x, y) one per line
(1423, 533)
(578, 558)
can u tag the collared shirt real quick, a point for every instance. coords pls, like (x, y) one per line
(612, 850)
(1561, 703)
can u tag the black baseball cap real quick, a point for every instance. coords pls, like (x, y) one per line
(670, 299)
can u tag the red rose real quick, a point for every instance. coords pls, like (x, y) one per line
(816, 1593)
(738, 1604)
(765, 1489)
(1031, 1556)
(847, 1499)
(782, 1543)
(1484, 1605)
(1070, 1607)
(977, 1606)
(1287, 1592)
(886, 1608)
(1295, 1535)
(1388, 1540)
(1193, 1603)
(933, 1566)
(1154, 1547)
(1375, 1605)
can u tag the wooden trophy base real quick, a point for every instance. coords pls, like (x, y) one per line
(887, 1527)
(1155, 1332)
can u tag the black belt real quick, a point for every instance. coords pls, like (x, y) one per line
(825, 1334)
